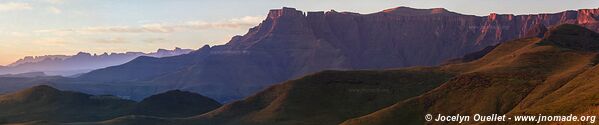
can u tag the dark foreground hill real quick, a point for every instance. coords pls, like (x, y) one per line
(175, 103)
(289, 44)
(47, 105)
(528, 76)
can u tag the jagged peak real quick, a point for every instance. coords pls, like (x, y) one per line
(573, 37)
(83, 54)
(495, 16)
(408, 11)
(439, 10)
(590, 11)
(205, 47)
(285, 11)
(398, 9)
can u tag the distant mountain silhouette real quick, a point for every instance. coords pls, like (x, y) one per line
(80, 63)
(46, 105)
(290, 43)
(26, 75)
(34, 59)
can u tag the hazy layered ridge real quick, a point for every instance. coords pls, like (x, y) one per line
(291, 43)
(80, 63)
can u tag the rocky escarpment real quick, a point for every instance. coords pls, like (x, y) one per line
(400, 36)
(291, 43)
(521, 77)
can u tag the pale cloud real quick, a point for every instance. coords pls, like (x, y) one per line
(51, 41)
(236, 23)
(18, 34)
(90, 30)
(54, 10)
(155, 40)
(116, 40)
(14, 6)
(55, 1)
(157, 28)
(249, 19)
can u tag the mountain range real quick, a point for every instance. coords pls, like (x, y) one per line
(290, 43)
(553, 75)
(82, 62)
(341, 68)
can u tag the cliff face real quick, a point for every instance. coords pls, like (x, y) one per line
(398, 37)
(290, 43)
(553, 75)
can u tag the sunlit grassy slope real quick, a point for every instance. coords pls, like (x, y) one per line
(526, 76)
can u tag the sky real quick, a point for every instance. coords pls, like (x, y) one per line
(51, 27)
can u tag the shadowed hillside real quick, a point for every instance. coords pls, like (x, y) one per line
(327, 97)
(46, 105)
(175, 103)
(551, 76)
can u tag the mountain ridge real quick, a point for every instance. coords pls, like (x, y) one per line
(518, 77)
(547, 71)
(81, 62)
(290, 43)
